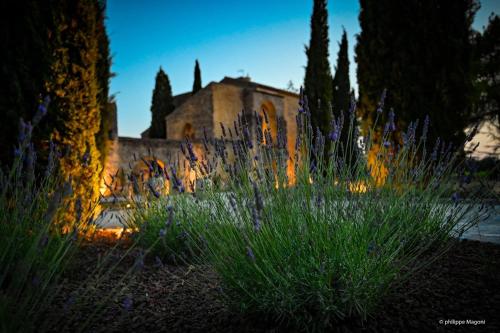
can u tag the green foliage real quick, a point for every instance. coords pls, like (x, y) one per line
(197, 78)
(318, 78)
(75, 109)
(166, 227)
(103, 75)
(322, 247)
(161, 105)
(488, 73)
(421, 52)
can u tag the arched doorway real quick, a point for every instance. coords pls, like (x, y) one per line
(269, 121)
(188, 132)
(148, 173)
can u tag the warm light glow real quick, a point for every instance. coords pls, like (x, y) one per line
(113, 232)
(379, 171)
(358, 187)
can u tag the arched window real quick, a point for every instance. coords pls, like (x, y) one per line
(188, 132)
(149, 169)
(269, 121)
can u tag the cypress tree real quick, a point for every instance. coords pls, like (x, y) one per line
(318, 78)
(161, 105)
(341, 100)
(103, 72)
(197, 78)
(488, 73)
(25, 58)
(341, 84)
(74, 110)
(420, 51)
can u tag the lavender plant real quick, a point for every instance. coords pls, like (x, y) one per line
(33, 251)
(328, 241)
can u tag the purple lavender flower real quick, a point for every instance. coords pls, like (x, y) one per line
(434, 153)
(43, 242)
(387, 144)
(158, 262)
(42, 110)
(455, 197)
(259, 204)
(372, 248)
(21, 135)
(139, 260)
(153, 190)
(35, 281)
(380, 106)
(266, 119)
(250, 253)
(170, 217)
(246, 136)
(128, 303)
(256, 219)
(69, 303)
(183, 150)
(425, 129)
(183, 235)
(302, 101)
(392, 124)
(236, 129)
(192, 155)
(335, 133)
(223, 129)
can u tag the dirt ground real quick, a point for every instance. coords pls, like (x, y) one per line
(462, 285)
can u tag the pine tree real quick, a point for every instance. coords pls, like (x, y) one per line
(341, 101)
(420, 51)
(74, 109)
(161, 105)
(197, 78)
(318, 78)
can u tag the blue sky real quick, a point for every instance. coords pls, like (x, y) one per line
(264, 39)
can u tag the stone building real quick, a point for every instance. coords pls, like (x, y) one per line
(218, 102)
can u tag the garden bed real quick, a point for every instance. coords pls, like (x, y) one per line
(464, 284)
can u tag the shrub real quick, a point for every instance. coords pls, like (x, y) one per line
(329, 240)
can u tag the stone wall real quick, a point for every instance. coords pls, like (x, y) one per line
(216, 103)
(197, 111)
(227, 102)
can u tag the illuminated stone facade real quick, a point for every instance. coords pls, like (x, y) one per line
(218, 102)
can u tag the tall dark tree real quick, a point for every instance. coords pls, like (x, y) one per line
(25, 58)
(342, 96)
(488, 74)
(161, 105)
(341, 85)
(103, 72)
(318, 78)
(420, 50)
(197, 78)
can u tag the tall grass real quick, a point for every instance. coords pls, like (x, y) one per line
(327, 242)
